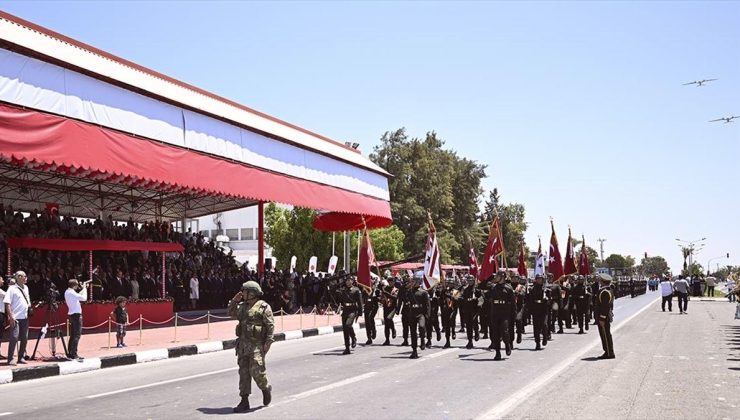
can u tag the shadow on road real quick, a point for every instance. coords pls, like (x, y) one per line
(222, 411)
(591, 359)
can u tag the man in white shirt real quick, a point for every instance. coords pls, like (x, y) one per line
(73, 297)
(2, 312)
(681, 286)
(666, 291)
(16, 302)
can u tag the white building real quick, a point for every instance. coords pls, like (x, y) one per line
(240, 226)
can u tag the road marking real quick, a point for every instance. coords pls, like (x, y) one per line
(5, 414)
(329, 349)
(508, 404)
(169, 381)
(437, 354)
(329, 387)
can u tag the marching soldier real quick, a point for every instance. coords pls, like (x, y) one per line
(418, 313)
(604, 306)
(581, 297)
(512, 320)
(484, 308)
(538, 306)
(556, 304)
(254, 338)
(520, 296)
(469, 310)
(433, 321)
(564, 313)
(502, 310)
(351, 300)
(448, 309)
(389, 294)
(404, 300)
(370, 308)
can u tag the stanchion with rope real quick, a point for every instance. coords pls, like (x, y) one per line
(208, 322)
(141, 327)
(300, 314)
(175, 341)
(314, 316)
(282, 320)
(109, 329)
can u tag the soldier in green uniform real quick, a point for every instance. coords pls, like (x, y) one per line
(254, 338)
(604, 306)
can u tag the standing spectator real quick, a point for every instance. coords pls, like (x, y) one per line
(73, 296)
(681, 286)
(710, 286)
(2, 312)
(730, 287)
(134, 287)
(17, 305)
(194, 292)
(121, 316)
(666, 291)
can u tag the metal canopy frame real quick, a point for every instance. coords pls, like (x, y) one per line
(27, 188)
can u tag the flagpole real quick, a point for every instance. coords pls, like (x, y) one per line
(375, 261)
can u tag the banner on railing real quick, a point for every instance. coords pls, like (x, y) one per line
(332, 264)
(293, 261)
(312, 264)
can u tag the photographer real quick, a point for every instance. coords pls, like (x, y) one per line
(73, 296)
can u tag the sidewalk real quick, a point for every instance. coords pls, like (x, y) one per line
(157, 343)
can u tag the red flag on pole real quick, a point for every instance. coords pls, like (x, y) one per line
(494, 247)
(522, 269)
(555, 262)
(364, 261)
(472, 262)
(584, 268)
(432, 266)
(569, 266)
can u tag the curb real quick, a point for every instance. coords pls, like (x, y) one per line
(96, 363)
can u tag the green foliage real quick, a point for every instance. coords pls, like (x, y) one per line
(513, 226)
(654, 266)
(290, 232)
(387, 245)
(616, 261)
(429, 178)
(695, 269)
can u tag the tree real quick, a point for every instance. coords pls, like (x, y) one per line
(695, 269)
(616, 261)
(429, 179)
(290, 232)
(513, 226)
(654, 266)
(387, 245)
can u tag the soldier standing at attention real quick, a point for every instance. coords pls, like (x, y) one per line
(502, 310)
(605, 303)
(418, 312)
(370, 310)
(350, 298)
(538, 306)
(580, 298)
(254, 338)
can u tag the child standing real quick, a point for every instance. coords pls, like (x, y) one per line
(121, 316)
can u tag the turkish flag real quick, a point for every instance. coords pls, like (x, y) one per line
(584, 268)
(52, 209)
(364, 261)
(473, 262)
(555, 262)
(569, 267)
(522, 269)
(494, 247)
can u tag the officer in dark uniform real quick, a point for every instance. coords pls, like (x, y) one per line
(594, 286)
(512, 321)
(604, 306)
(370, 308)
(350, 298)
(404, 300)
(469, 311)
(419, 308)
(564, 313)
(538, 306)
(484, 308)
(502, 311)
(448, 308)
(520, 296)
(389, 297)
(580, 297)
(433, 321)
(556, 303)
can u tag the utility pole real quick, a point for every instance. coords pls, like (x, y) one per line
(601, 248)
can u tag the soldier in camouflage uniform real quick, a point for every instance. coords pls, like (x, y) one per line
(254, 332)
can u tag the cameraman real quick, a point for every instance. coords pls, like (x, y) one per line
(73, 296)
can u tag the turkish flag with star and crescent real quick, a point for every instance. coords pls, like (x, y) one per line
(555, 262)
(494, 248)
(472, 262)
(365, 259)
(569, 266)
(584, 268)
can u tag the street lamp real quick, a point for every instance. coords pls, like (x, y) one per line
(691, 248)
(727, 255)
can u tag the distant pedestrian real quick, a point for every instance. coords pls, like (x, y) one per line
(681, 286)
(194, 292)
(710, 286)
(730, 287)
(666, 291)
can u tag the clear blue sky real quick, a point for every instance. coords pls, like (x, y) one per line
(577, 108)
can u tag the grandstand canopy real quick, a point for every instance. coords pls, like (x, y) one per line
(92, 132)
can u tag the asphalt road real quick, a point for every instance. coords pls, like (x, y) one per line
(311, 379)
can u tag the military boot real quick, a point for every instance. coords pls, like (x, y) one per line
(508, 349)
(538, 347)
(354, 341)
(405, 343)
(470, 345)
(243, 406)
(447, 344)
(586, 326)
(429, 343)
(439, 336)
(387, 342)
(369, 341)
(560, 331)
(518, 338)
(498, 355)
(580, 331)
(544, 341)
(414, 355)
(485, 336)
(267, 396)
(346, 351)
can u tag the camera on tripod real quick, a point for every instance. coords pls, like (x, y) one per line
(52, 297)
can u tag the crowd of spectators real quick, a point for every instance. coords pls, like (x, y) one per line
(137, 274)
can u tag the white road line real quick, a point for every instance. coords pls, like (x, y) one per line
(329, 349)
(437, 354)
(5, 414)
(169, 381)
(508, 404)
(330, 386)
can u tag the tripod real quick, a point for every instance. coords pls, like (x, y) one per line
(49, 330)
